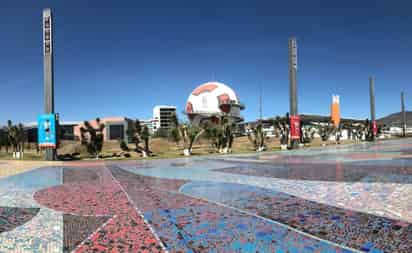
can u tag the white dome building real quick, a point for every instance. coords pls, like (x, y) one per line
(212, 100)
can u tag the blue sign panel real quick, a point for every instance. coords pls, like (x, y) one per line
(46, 125)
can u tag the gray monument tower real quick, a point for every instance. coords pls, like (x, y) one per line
(372, 107)
(48, 75)
(403, 114)
(293, 102)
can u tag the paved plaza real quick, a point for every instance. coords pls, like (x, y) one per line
(354, 198)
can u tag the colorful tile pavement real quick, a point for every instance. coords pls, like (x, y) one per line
(13, 167)
(353, 198)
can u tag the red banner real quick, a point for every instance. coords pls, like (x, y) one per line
(374, 128)
(295, 127)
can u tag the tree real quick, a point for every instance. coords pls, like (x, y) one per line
(220, 134)
(325, 132)
(174, 135)
(145, 137)
(186, 132)
(282, 127)
(174, 132)
(92, 137)
(15, 136)
(213, 133)
(257, 137)
(189, 134)
(139, 134)
(4, 142)
(226, 135)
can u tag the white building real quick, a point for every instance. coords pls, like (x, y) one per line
(163, 116)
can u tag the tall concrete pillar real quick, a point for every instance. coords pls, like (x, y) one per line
(48, 72)
(372, 107)
(293, 102)
(403, 114)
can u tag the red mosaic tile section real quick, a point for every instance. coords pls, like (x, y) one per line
(151, 193)
(126, 231)
(84, 198)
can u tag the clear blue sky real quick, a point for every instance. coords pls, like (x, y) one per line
(124, 57)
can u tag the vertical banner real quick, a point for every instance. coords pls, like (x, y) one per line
(295, 127)
(374, 128)
(46, 127)
(335, 111)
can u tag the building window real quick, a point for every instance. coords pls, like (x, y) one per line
(116, 132)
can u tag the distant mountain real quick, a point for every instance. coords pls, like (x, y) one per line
(395, 119)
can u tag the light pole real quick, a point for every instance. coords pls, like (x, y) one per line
(403, 114)
(373, 126)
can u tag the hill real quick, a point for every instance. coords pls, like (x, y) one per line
(395, 119)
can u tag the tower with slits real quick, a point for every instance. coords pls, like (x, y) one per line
(48, 75)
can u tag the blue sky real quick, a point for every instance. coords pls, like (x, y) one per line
(124, 57)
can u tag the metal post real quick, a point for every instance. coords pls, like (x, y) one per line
(293, 102)
(403, 114)
(372, 107)
(48, 75)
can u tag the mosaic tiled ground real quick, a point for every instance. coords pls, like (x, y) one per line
(355, 198)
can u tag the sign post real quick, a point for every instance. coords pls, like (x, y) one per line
(46, 131)
(372, 108)
(403, 114)
(295, 128)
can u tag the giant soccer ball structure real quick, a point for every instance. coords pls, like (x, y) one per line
(212, 100)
